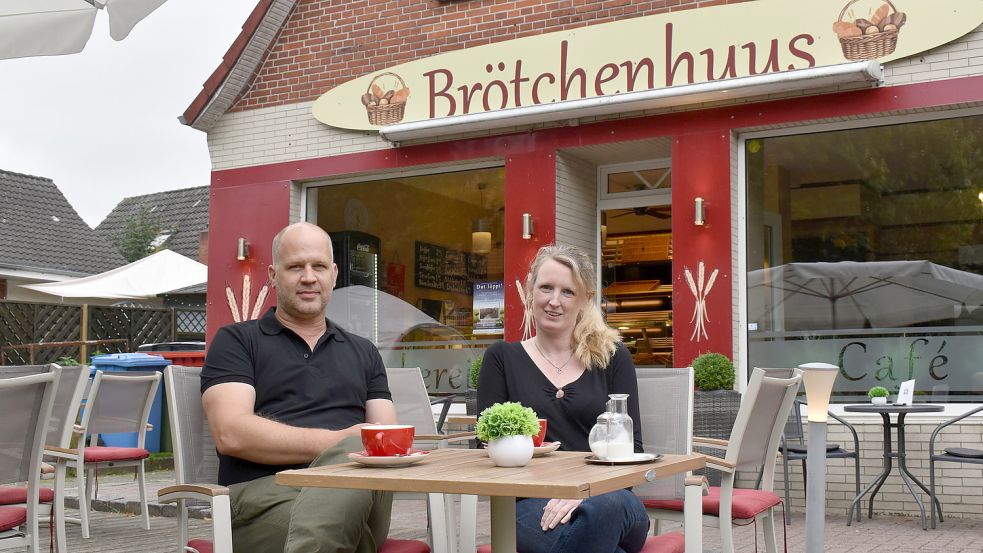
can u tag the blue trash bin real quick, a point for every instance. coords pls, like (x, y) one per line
(135, 362)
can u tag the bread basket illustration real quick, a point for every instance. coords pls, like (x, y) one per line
(869, 39)
(385, 107)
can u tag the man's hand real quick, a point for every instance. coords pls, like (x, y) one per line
(558, 511)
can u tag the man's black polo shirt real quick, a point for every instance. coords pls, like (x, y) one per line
(326, 388)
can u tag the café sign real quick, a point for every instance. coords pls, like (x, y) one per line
(646, 53)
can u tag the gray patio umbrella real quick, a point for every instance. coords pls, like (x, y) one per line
(374, 314)
(849, 294)
(55, 27)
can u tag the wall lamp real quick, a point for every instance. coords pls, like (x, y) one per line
(242, 249)
(527, 226)
(699, 212)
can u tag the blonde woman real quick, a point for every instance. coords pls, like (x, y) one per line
(564, 370)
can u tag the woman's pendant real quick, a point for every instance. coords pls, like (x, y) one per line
(559, 393)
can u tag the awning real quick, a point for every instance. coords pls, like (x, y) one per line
(866, 73)
(145, 278)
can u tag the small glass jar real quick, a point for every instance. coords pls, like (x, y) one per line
(612, 437)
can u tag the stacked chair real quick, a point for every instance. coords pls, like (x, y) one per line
(27, 404)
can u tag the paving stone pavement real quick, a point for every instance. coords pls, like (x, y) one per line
(115, 532)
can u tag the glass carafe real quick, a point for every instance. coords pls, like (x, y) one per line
(613, 437)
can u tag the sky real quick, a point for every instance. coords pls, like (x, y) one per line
(103, 123)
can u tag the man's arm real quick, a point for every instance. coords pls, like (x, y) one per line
(380, 411)
(239, 432)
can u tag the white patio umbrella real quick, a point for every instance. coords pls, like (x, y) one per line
(155, 274)
(55, 27)
(848, 294)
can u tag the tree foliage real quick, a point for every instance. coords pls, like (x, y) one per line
(136, 240)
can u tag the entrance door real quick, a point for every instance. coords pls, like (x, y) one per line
(635, 258)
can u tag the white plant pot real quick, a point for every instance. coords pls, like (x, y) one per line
(511, 451)
(878, 400)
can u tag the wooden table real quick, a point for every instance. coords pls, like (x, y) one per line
(906, 476)
(563, 474)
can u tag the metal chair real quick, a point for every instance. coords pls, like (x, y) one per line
(793, 448)
(753, 444)
(196, 469)
(71, 383)
(116, 403)
(948, 455)
(665, 406)
(27, 404)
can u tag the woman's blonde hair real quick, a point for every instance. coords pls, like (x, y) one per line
(593, 341)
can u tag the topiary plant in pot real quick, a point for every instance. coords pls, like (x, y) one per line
(507, 429)
(878, 395)
(471, 393)
(715, 403)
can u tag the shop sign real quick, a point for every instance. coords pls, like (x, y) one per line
(645, 53)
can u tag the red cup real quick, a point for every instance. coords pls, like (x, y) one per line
(537, 440)
(387, 440)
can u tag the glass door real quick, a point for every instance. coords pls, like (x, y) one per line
(635, 259)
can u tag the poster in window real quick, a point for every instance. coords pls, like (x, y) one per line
(488, 312)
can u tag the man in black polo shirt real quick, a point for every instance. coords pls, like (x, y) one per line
(291, 390)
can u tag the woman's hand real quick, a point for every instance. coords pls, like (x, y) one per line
(558, 511)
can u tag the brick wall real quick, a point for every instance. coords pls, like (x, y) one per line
(328, 42)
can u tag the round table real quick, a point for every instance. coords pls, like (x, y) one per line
(907, 477)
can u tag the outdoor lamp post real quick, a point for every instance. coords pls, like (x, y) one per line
(818, 378)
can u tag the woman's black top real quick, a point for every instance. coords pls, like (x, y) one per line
(509, 374)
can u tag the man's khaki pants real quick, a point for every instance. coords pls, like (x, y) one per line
(268, 518)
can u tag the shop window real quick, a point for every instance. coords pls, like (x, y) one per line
(420, 263)
(865, 249)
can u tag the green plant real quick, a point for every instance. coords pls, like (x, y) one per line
(67, 361)
(713, 371)
(877, 391)
(506, 419)
(475, 369)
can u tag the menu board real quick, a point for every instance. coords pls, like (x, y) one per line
(445, 269)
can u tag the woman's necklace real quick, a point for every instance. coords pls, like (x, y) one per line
(557, 368)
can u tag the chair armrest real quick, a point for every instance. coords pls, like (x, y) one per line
(61, 452)
(720, 464)
(853, 431)
(711, 442)
(197, 491)
(931, 440)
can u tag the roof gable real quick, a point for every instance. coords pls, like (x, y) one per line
(40, 231)
(182, 213)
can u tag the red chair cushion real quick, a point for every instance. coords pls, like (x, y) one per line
(14, 495)
(746, 503)
(404, 546)
(390, 546)
(12, 517)
(100, 454)
(672, 542)
(203, 546)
